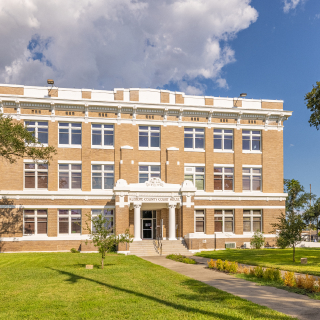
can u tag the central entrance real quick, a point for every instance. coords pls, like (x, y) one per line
(149, 224)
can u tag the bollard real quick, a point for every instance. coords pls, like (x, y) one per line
(89, 266)
(304, 260)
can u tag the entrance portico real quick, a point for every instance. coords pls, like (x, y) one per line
(156, 206)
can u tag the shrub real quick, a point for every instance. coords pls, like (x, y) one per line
(219, 264)
(257, 240)
(181, 258)
(252, 271)
(289, 279)
(234, 267)
(212, 264)
(246, 271)
(308, 283)
(268, 274)
(73, 250)
(299, 281)
(282, 243)
(226, 266)
(277, 275)
(258, 272)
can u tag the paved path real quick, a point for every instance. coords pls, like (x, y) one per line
(292, 304)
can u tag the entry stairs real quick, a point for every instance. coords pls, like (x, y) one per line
(150, 248)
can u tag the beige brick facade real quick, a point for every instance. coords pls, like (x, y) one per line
(127, 112)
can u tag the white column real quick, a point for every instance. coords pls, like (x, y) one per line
(172, 222)
(137, 222)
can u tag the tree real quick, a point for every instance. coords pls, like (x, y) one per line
(257, 240)
(102, 235)
(16, 142)
(312, 99)
(291, 224)
(311, 216)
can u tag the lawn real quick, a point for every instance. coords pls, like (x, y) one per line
(57, 286)
(276, 258)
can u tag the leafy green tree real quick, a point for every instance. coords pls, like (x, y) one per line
(257, 240)
(290, 225)
(312, 99)
(16, 142)
(102, 235)
(311, 216)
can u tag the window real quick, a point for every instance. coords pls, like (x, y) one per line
(193, 138)
(35, 222)
(251, 140)
(223, 179)
(39, 130)
(149, 137)
(223, 220)
(223, 139)
(199, 217)
(108, 215)
(69, 134)
(252, 220)
(102, 135)
(103, 176)
(35, 176)
(70, 176)
(69, 221)
(251, 179)
(195, 175)
(147, 172)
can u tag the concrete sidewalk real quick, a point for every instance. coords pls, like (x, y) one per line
(292, 304)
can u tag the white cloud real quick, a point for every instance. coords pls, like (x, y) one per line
(291, 4)
(119, 43)
(291, 145)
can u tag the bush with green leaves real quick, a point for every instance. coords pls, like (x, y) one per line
(257, 240)
(74, 250)
(181, 258)
(220, 264)
(258, 272)
(233, 267)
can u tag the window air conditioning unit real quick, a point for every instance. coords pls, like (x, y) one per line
(230, 245)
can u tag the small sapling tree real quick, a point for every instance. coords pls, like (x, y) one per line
(257, 240)
(103, 236)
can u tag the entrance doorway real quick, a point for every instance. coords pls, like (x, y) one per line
(149, 224)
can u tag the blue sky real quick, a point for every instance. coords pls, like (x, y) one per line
(268, 49)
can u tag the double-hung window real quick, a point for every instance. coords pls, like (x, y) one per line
(223, 220)
(35, 176)
(223, 178)
(102, 135)
(195, 175)
(69, 176)
(39, 130)
(252, 221)
(69, 134)
(223, 140)
(35, 222)
(69, 221)
(102, 176)
(148, 171)
(200, 220)
(149, 137)
(108, 216)
(193, 139)
(251, 140)
(251, 179)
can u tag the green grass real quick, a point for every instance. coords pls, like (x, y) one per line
(57, 286)
(273, 258)
(181, 258)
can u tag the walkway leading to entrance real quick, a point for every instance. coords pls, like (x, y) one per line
(292, 304)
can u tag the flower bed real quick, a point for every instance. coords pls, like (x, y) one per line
(306, 282)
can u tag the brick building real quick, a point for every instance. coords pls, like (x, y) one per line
(206, 170)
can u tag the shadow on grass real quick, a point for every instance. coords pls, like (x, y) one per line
(95, 265)
(199, 289)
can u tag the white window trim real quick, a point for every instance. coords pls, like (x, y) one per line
(69, 223)
(194, 149)
(102, 175)
(36, 176)
(70, 179)
(149, 172)
(204, 221)
(149, 137)
(252, 151)
(105, 215)
(36, 132)
(69, 145)
(223, 221)
(35, 216)
(223, 174)
(194, 173)
(251, 215)
(251, 174)
(222, 141)
(102, 146)
(149, 163)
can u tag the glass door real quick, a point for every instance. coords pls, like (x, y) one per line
(147, 229)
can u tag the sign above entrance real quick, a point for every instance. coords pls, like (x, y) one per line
(154, 199)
